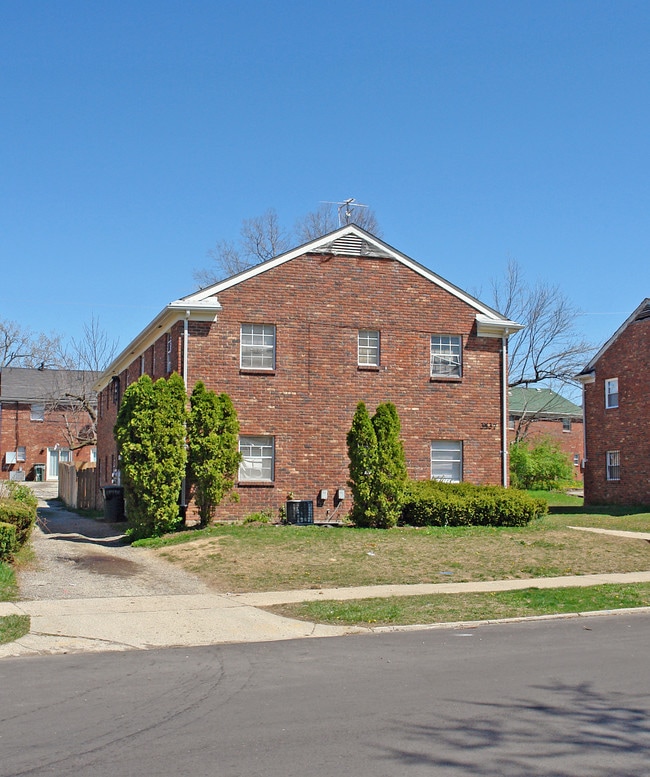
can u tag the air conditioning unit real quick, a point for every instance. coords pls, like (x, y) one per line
(11, 457)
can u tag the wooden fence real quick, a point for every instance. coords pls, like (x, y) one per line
(77, 487)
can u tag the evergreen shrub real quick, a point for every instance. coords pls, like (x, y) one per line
(7, 541)
(433, 503)
(20, 515)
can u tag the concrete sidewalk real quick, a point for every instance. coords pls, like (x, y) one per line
(144, 622)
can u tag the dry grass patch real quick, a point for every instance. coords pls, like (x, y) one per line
(257, 558)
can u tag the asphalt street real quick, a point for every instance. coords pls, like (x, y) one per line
(533, 699)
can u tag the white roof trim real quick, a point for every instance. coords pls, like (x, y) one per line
(380, 249)
(591, 367)
(204, 310)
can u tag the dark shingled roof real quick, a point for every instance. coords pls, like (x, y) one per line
(22, 384)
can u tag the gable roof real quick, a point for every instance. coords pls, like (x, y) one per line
(541, 402)
(23, 384)
(348, 240)
(641, 313)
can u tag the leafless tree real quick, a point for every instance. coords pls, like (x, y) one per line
(549, 348)
(20, 347)
(80, 365)
(263, 237)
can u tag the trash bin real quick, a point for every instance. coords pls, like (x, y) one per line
(300, 511)
(113, 503)
(39, 473)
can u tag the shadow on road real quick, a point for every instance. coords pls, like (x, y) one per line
(556, 730)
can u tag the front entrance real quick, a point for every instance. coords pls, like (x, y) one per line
(54, 456)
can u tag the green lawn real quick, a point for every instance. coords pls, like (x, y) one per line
(258, 557)
(454, 608)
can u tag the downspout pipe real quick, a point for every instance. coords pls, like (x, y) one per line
(504, 409)
(186, 342)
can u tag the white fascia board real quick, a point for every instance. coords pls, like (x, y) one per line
(384, 248)
(592, 364)
(205, 310)
(500, 327)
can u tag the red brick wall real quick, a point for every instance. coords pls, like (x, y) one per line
(626, 428)
(317, 304)
(17, 429)
(570, 442)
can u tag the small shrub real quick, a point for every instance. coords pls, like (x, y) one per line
(19, 492)
(539, 465)
(431, 503)
(20, 515)
(262, 517)
(7, 541)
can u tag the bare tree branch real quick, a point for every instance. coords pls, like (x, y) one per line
(263, 237)
(549, 348)
(20, 347)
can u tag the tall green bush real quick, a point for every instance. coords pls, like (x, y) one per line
(150, 433)
(377, 467)
(362, 452)
(539, 464)
(390, 475)
(213, 449)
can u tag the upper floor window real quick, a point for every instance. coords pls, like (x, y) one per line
(257, 463)
(37, 413)
(21, 453)
(447, 460)
(368, 348)
(257, 346)
(613, 465)
(611, 393)
(566, 424)
(142, 364)
(446, 356)
(511, 422)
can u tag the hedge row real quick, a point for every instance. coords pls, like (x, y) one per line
(432, 503)
(17, 518)
(7, 541)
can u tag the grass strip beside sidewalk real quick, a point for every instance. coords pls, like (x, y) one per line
(453, 608)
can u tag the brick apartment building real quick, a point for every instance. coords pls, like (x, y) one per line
(300, 339)
(617, 415)
(541, 412)
(41, 422)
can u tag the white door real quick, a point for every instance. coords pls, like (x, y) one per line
(54, 456)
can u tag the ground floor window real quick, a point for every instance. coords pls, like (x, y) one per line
(613, 465)
(447, 460)
(258, 454)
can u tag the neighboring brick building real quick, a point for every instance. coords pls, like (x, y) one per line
(617, 415)
(41, 421)
(299, 340)
(541, 412)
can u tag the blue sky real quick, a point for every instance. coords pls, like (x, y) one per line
(134, 135)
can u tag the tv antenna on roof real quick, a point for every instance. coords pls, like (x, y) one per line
(345, 208)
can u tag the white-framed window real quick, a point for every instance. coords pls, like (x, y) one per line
(368, 348)
(37, 413)
(447, 460)
(576, 459)
(93, 455)
(142, 364)
(257, 346)
(511, 422)
(21, 453)
(611, 393)
(258, 455)
(566, 424)
(613, 465)
(446, 361)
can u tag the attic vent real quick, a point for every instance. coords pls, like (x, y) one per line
(350, 245)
